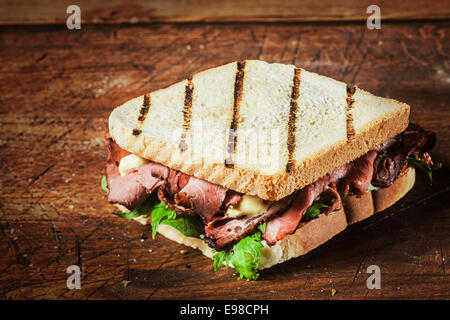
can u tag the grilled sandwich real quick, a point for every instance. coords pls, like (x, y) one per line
(256, 163)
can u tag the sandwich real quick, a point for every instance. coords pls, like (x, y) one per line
(256, 163)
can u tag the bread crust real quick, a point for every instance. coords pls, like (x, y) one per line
(358, 209)
(253, 181)
(310, 235)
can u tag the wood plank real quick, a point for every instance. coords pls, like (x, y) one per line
(57, 88)
(141, 11)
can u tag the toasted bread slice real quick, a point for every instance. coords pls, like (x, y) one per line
(312, 234)
(358, 209)
(257, 128)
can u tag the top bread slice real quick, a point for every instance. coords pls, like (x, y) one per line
(257, 128)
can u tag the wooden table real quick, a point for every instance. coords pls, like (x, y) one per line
(57, 88)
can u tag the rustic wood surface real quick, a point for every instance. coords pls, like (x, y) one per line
(57, 88)
(138, 11)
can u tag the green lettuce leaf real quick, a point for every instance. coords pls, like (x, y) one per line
(244, 256)
(143, 209)
(317, 207)
(315, 210)
(372, 188)
(427, 169)
(105, 184)
(221, 257)
(262, 227)
(161, 212)
(187, 225)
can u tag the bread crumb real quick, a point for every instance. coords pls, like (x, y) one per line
(333, 292)
(125, 283)
(183, 251)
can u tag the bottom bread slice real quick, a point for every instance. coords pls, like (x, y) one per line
(309, 235)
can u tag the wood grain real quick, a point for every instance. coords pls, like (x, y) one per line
(141, 11)
(57, 88)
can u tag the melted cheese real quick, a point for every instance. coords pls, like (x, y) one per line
(129, 162)
(247, 206)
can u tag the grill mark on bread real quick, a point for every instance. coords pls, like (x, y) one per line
(292, 120)
(136, 132)
(142, 114)
(145, 107)
(232, 137)
(187, 113)
(348, 116)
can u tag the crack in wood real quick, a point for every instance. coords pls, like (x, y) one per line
(160, 266)
(78, 251)
(359, 266)
(40, 175)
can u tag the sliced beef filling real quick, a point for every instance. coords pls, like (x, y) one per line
(182, 193)
(393, 155)
(380, 166)
(186, 194)
(355, 175)
(225, 231)
(131, 190)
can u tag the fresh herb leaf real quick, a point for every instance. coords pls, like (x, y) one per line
(105, 184)
(262, 227)
(372, 188)
(221, 257)
(128, 215)
(316, 208)
(426, 168)
(161, 212)
(143, 209)
(244, 256)
(187, 225)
